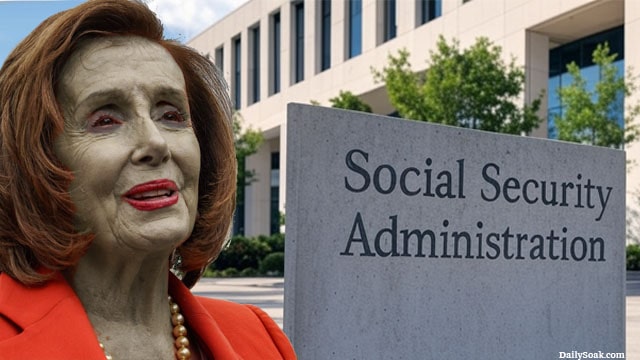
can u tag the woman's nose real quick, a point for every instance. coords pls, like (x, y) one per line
(151, 146)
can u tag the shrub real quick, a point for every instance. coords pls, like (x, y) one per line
(249, 272)
(273, 264)
(246, 255)
(633, 257)
(275, 242)
(209, 272)
(241, 253)
(229, 272)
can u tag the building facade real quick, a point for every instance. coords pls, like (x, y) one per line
(273, 52)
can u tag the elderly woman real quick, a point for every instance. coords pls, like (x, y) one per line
(116, 164)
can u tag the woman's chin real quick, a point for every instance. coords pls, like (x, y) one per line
(151, 237)
(146, 231)
(157, 236)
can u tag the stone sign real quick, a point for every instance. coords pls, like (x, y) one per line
(408, 240)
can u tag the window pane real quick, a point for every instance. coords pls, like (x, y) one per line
(581, 52)
(275, 193)
(429, 10)
(326, 35)
(236, 73)
(255, 65)
(299, 42)
(355, 28)
(276, 53)
(389, 13)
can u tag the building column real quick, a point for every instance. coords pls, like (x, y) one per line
(226, 60)
(265, 56)
(632, 61)
(339, 32)
(537, 75)
(283, 171)
(370, 25)
(286, 41)
(405, 16)
(244, 68)
(311, 38)
(258, 193)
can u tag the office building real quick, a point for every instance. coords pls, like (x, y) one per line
(273, 52)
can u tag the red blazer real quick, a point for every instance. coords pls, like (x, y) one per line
(49, 322)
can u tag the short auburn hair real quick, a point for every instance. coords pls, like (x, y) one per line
(37, 236)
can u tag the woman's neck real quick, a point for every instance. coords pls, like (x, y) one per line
(125, 298)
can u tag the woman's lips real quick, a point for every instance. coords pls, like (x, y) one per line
(152, 195)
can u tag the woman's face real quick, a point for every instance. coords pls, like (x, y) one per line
(129, 142)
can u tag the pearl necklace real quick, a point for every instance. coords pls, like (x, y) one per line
(179, 334)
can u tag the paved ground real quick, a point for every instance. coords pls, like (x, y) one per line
(633, 315)
(268, 294)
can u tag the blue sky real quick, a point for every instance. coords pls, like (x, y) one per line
(19, 18)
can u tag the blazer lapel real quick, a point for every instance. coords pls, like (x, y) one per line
(200, 321)
(51, 321)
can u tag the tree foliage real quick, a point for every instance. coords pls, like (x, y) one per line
(247, 141)
(347, 100)
(590, 116)
(470, 88)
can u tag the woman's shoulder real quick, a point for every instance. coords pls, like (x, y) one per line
(230, 315)
(241, 322)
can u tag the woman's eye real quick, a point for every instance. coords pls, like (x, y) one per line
(174, 116)
(105, 121)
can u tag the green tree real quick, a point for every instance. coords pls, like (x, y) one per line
(347, 100)
(471, 88)
(591, 116)
(247, 141)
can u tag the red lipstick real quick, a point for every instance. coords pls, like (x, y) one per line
(152, 195)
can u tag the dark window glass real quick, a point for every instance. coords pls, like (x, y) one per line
(275, 193)
(355, 28)
(299, 41)
(220, 60)
(430, 9)
(237, 53)
(276, 53)
(389, 12)
(238, 215)
(255, 65)
(326, 34)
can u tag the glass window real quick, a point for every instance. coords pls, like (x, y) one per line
(219, 59)
(618, 106)
(325, 41)
(580, 52)
(355, 28)
(237, 79)
(429, 10)
(389, 14)
(254, 64)
(238, 215)
(553, 98)
(275, 60)
(275, 193)
(299, 42)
